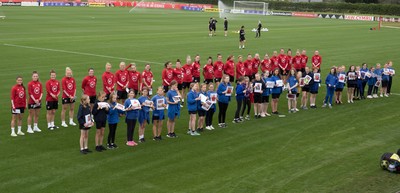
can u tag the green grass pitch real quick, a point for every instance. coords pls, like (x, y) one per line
(323, 150)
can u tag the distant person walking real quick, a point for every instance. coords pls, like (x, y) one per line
(258, 32)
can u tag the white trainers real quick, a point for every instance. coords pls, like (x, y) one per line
(330, 106)
(29, 130)
(212, 128)
(386, 95)
(72, 123)
(36, 129)
(381, 95)
(324, 105)
(208, 128)
(13, 134)
(369, 97)
(64, 125)
(20, 133)
(375, 96)
(194, 133)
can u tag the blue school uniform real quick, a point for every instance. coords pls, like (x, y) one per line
(385, 77)
(132, 114)
(340, 85)
(266, 91)
(158, 112)
(113, 114)
(276, 89)
(213, 107)
(239, 92)
(144, 113)
(330, 81)
(191, 101)
(174, 110)
(222, 98)
(292, 80)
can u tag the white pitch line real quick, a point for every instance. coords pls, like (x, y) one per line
(79, 53)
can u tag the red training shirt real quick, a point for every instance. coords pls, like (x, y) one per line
(304, 60)
(18, 96)
(256, 63)
(218, 69)
(274, 62)
(89, 85)
(266, 65)
(178, 75)
(167, 76)
(240, 70)
(208, 71)
(121, 78)
(69, 87)
(134, 80)
(248, 65)
(108, 82)
(147, 77)
(196, 69)
(35, 91)
(52, 87)
(297, 62)
(316, 61)
(187, 73)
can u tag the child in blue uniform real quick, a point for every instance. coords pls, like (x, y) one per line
(276, 91)
(292, 81)
(364, 69)
(265, 95)
(223, 100)
(314, 86)
(201, 111)
(385, 80)
(371, 80)
(144, 113)
(192, 98)
(132, 115)
(246, 100)
(339, 85)
(174, 108)
(331, 82)
(160, 103)
(113, 120)
(378, 75)
(240, 91)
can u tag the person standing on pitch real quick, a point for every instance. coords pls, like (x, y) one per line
(226, 26)
(258, 32)
(242, 39)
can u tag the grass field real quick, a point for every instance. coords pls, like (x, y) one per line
(323, 150)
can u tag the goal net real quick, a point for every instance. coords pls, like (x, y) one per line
(389, 22)
(250, 7)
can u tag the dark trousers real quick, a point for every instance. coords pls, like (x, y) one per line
(375, 90)
(209, 117)
(246, 103)
(363, 84)
(223, 107)
(238, 108)
(111, 134)
(389, 87)
(370, 89)
(329, 95)
(130, 128)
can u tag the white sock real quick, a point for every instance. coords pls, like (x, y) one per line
(12, 130)
(49, 124)
(52, 123)
(63, 122)
(183, 100)
(19, 128)
(35, 125)
(71, 120)
(29, 127)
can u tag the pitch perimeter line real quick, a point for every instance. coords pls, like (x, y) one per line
(78, 53)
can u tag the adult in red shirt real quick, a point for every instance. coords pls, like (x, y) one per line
(68, 97)
(121, 78)
(304, 60)
(266, 64)
(275, 60)
(196, 69)
(52, 93)
(256, 64)
(289, 58)
(18, 104)
(134, 78)
(208, 71)
(167, 76)
(283, 63)
(35, 93)
(296, 61)
(229, 68)
(316, 61)
(178, 74)
(187, 76)
(147, 79)
(240, 68)
(89, 86)
(218, 70)
(248, 65)
(108, 79)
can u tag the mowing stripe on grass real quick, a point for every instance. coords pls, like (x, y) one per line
(78, 53)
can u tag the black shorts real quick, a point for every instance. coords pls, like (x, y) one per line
(92, 99)
(275, 96)
(82, 127)
(217, 80)
(208, 81)
(107, 97)
(121, 94)
(21, 110)
(351, 85)
(214, 27)
(51, 105)
(339, 89)
(225, 28)
(265, 99)
(385, 83)
(67, 101)
(314, 91)
(155, 118)
(257, 98)
(201, 113)
(34, 106)
(196, 79)
(100, 124)
(180, 86)
(305, 89)
(297, 95)
(210, 28)
(242, 38)
(231, 78)
(186, 85)
(165, 88)
(192, 112)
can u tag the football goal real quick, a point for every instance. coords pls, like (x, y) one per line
(250, 7)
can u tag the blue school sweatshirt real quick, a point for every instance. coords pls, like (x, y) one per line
(221, 97)
(191, 100)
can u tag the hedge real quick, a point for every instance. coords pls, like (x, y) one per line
(360, 8)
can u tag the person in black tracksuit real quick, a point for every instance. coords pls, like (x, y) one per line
(258, 32)
(226, 26)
